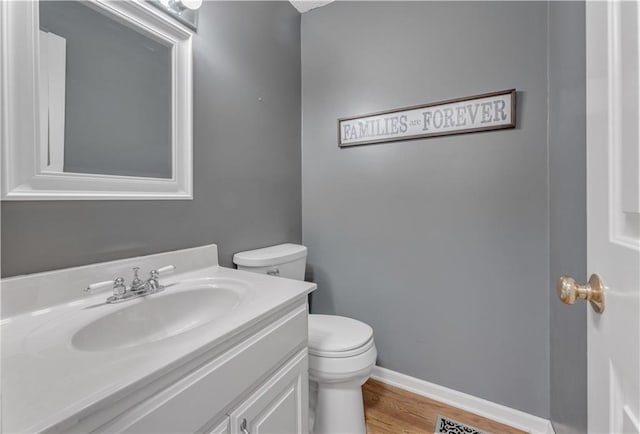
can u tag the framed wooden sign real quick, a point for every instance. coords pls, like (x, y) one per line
(489, 111)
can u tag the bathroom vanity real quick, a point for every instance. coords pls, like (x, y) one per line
(217, 351)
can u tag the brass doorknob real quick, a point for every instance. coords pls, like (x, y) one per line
(569, 291)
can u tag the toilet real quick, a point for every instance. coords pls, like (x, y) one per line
(342, 353)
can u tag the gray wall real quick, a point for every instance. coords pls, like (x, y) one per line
(246, 158)
(567, 212)
(118, 94)
(440, 244)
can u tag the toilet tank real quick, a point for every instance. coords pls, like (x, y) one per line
(283, 260)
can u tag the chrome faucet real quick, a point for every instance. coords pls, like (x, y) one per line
(138, 288)
(137, 284)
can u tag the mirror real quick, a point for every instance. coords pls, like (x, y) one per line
(98, 104)
(95, 74)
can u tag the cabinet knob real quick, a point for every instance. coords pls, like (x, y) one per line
(243, 427)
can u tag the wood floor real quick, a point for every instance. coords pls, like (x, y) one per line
(389, 410)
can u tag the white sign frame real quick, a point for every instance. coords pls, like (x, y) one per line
(486, 112)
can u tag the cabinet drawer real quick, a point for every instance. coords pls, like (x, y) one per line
(205, 394)
(280, 405)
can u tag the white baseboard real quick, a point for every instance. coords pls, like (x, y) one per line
(508, 416)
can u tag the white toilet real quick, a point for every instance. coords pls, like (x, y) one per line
(341, 350)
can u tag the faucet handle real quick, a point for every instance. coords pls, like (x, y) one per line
(166, 269)
(162, 270)
(97, 286)
(119, 288)
(153, 283)
(117, 285)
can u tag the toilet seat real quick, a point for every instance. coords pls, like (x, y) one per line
(340, 349)
(342, 354)
(338, 336)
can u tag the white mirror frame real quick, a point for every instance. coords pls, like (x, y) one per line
(22, 176)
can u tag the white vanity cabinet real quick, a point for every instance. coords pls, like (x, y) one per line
(201, 364)
(258, 385)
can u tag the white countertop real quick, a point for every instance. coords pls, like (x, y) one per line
(46, 382)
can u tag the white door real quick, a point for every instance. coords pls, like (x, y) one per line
(613, 214)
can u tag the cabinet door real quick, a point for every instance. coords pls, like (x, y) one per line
(280, 405)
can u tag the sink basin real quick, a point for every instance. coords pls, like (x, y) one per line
(159, 316)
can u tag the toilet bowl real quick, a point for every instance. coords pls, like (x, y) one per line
(342, 353)
(341, 357)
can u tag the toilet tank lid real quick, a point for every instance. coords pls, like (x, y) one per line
(280, 254)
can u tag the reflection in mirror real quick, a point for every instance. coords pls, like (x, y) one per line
(105, 95)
